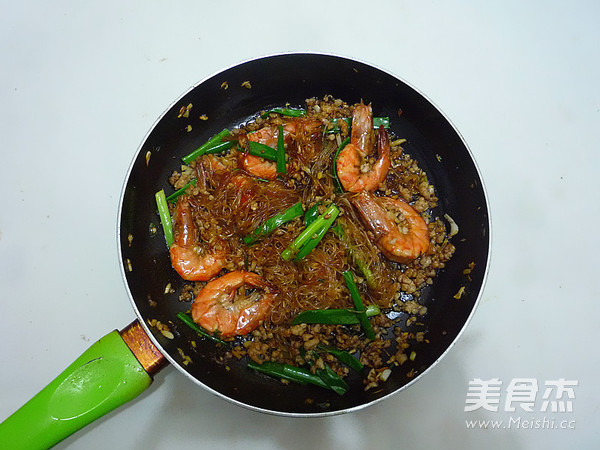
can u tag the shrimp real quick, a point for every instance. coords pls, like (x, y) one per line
(352, 170)
(210, 171)
(220, 307)
(245, 188)
(299, 130)
(185, 257)
(220, 175)
(361, 134)
(401, 241)
(307, 137)
(257, 166)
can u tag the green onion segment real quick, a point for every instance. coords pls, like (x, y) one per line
(334, 316)
(336, 179)
(314, 240)
(323, 221)
(280, 156)
(185, 318)
(269, 225)
(343, 356)
(362, 266)
(165, 216)
(171, 198)
(216, 140)
(323, 378)
(377, 121)
(289, 112)
(220, 148)
(358, 304)
(262, 150)
(333, 380)
(311, 214)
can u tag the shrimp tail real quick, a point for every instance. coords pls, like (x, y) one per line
(383, 163)
(383, 143)
(361, 133)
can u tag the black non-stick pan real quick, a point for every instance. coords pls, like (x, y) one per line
(225, 100)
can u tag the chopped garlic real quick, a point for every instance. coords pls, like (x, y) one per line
(460, 292)
(385, 374)
(167, 334)
(453, 225)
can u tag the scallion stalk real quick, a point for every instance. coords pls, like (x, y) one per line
(364, 269)
(314, 240)
(165, 216)
(269, 225)
(333, 380)
(336, 179)
(262, 150)
(362, 266)
(287, 372)
(281, 168)
(343, 356)
(377, 121)
(323, 378)
(220, 148)
(334, 316)
(309, 231)
(289, 112)
(171, 198)
(185, 318)
(311, 214)
(358, 304)
(212, 142)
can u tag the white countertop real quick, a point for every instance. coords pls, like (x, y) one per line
(80, 86)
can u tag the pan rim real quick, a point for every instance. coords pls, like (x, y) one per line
(355, 408)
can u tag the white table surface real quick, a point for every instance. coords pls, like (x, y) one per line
(82, 82)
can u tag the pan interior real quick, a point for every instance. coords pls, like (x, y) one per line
(232, 97)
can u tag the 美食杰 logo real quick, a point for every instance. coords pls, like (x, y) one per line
(528, 400)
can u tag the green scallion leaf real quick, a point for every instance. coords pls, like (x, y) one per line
(334, 316)
(171, 198)
(325, 378)
(281, 167)
(358, 304)
(185, 318)
(220, 148)
(336, 179)
(262, 150)
(289, 112)
(377, 121)
(352, 251)
(212, 142)
(311, 214)
(333, 380)
(287, 372)
(343, 356)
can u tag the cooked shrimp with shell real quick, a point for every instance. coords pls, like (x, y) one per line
(307, 242)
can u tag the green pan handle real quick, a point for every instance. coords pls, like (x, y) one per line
(106, 376)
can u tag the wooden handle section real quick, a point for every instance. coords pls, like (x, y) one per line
(151, 359)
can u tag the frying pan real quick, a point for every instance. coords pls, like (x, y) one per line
(122, 364)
